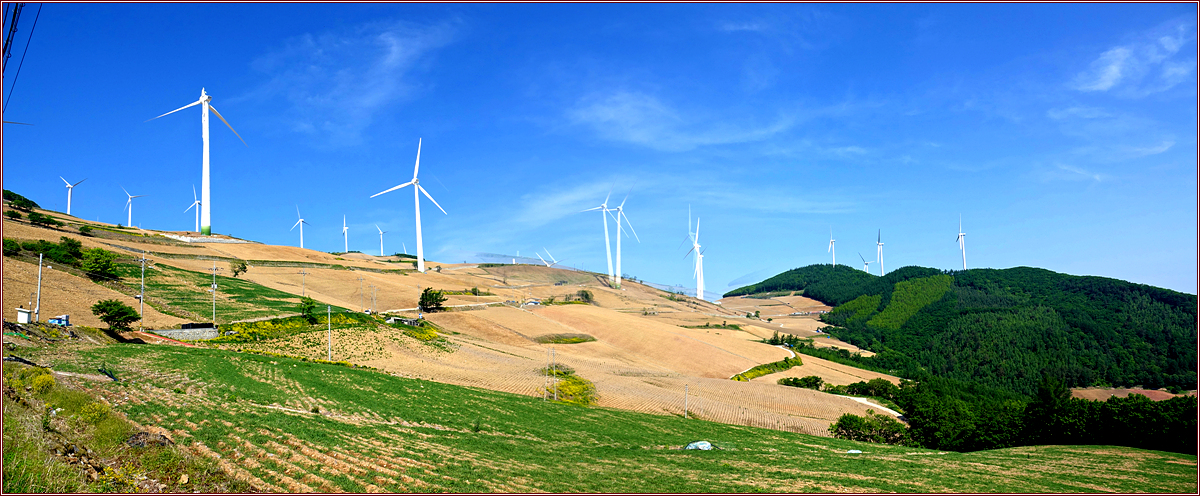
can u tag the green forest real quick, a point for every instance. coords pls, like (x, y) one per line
(989, 349)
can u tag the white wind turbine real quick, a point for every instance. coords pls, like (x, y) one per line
(621, 215)
(345, 237)
(548, 264)
(831, 250)
(205, 220)
(866, 264)
(603, 208)
(699, 272)
(129, 206)
(417, 204)
(879, 250)
(300, 223)
(70, 187)
(962, 242)
(195, 203)
(381, 231)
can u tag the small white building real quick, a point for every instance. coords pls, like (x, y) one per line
(24, 316)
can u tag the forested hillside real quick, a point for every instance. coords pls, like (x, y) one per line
(1007, 328)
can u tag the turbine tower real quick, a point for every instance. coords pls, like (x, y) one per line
(345, 237)
(70, 187)
(129, 206)
(603, 208)
(879, 250)
(300, 223)
(621, 215)
(416, 184)
(195, 203)
(699, 272)
(962, 242)
(205, 203)
(381, 231)
(831, 250)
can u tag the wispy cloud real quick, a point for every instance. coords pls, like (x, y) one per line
(642, 119)
(1064, 172)
(1077, 111)
(337, 82)
(1150, 63)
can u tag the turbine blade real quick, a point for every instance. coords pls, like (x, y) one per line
(298, 212)
(418, 166)
(126, 191)
(194, 198)
(296, 224)
(197, 102)
(697, 230)
(860, 256)
(590, 209)
(391, 190)
(190, 207)
(69, 183)
(85, 179)
(21, 123)
(542, 259)
(431, 199)
(551, 256)
(214, 110)
(635, 236)
(378, 229)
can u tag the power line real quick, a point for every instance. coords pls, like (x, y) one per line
(18, 73)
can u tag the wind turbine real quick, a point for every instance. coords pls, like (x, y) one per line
(381, 231)
(345, 237)
(129, 205)
(603, 208)
(621, 215)
(548, 264)
(866, 264)
(831, 250)
(699, 273)
(417, 204)
(70, 187)
(879, 250)
(300, 223)
(205, 220)
(962, 242)
(195, 203)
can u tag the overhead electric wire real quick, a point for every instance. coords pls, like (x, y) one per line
(12, 28)
(18, 73)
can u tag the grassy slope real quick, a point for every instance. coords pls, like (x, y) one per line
(411, 435)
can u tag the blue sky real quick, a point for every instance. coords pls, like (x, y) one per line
(1065, 135)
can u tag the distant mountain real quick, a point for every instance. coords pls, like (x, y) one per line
(1007, 328)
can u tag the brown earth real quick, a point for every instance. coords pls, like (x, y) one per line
(1101, 394)
(641, 360)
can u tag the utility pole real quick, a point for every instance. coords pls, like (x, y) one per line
(302, 274)
(360, 295)
(372, 288)
(554, 367)
(142, 295)
(546, 382)
(214, 292)
(374, 301)
(37, 311)
(329, 327)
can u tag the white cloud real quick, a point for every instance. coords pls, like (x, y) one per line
(642, 119)
(1064, 172)
(337, 82)
(741, 26)
(1133, 67)
(1077, 111)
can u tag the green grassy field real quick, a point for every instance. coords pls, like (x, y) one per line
(237, 299)
(373, 431)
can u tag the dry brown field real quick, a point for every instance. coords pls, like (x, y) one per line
(642, 358)
(1101, 394)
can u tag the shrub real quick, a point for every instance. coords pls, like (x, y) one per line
(93, 413)
(585, 296)
(85, 230)
(873, 428)
(238, 267)
(11, 247)
(810, 382)
(12, 214)
(114, 313)
(99, 263)
(42, 384)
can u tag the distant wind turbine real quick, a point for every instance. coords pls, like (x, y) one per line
(962, 242)
(345, 237)
(195, 203)
(621, 215)
(129, 205)
(381, 231)
(300, 223)
(416, 184)
(879, 250)
(548, 264)
(206, 203)
(831, 250)
(70, 187)
(698, 274)
(603, 208)
(866, 264)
